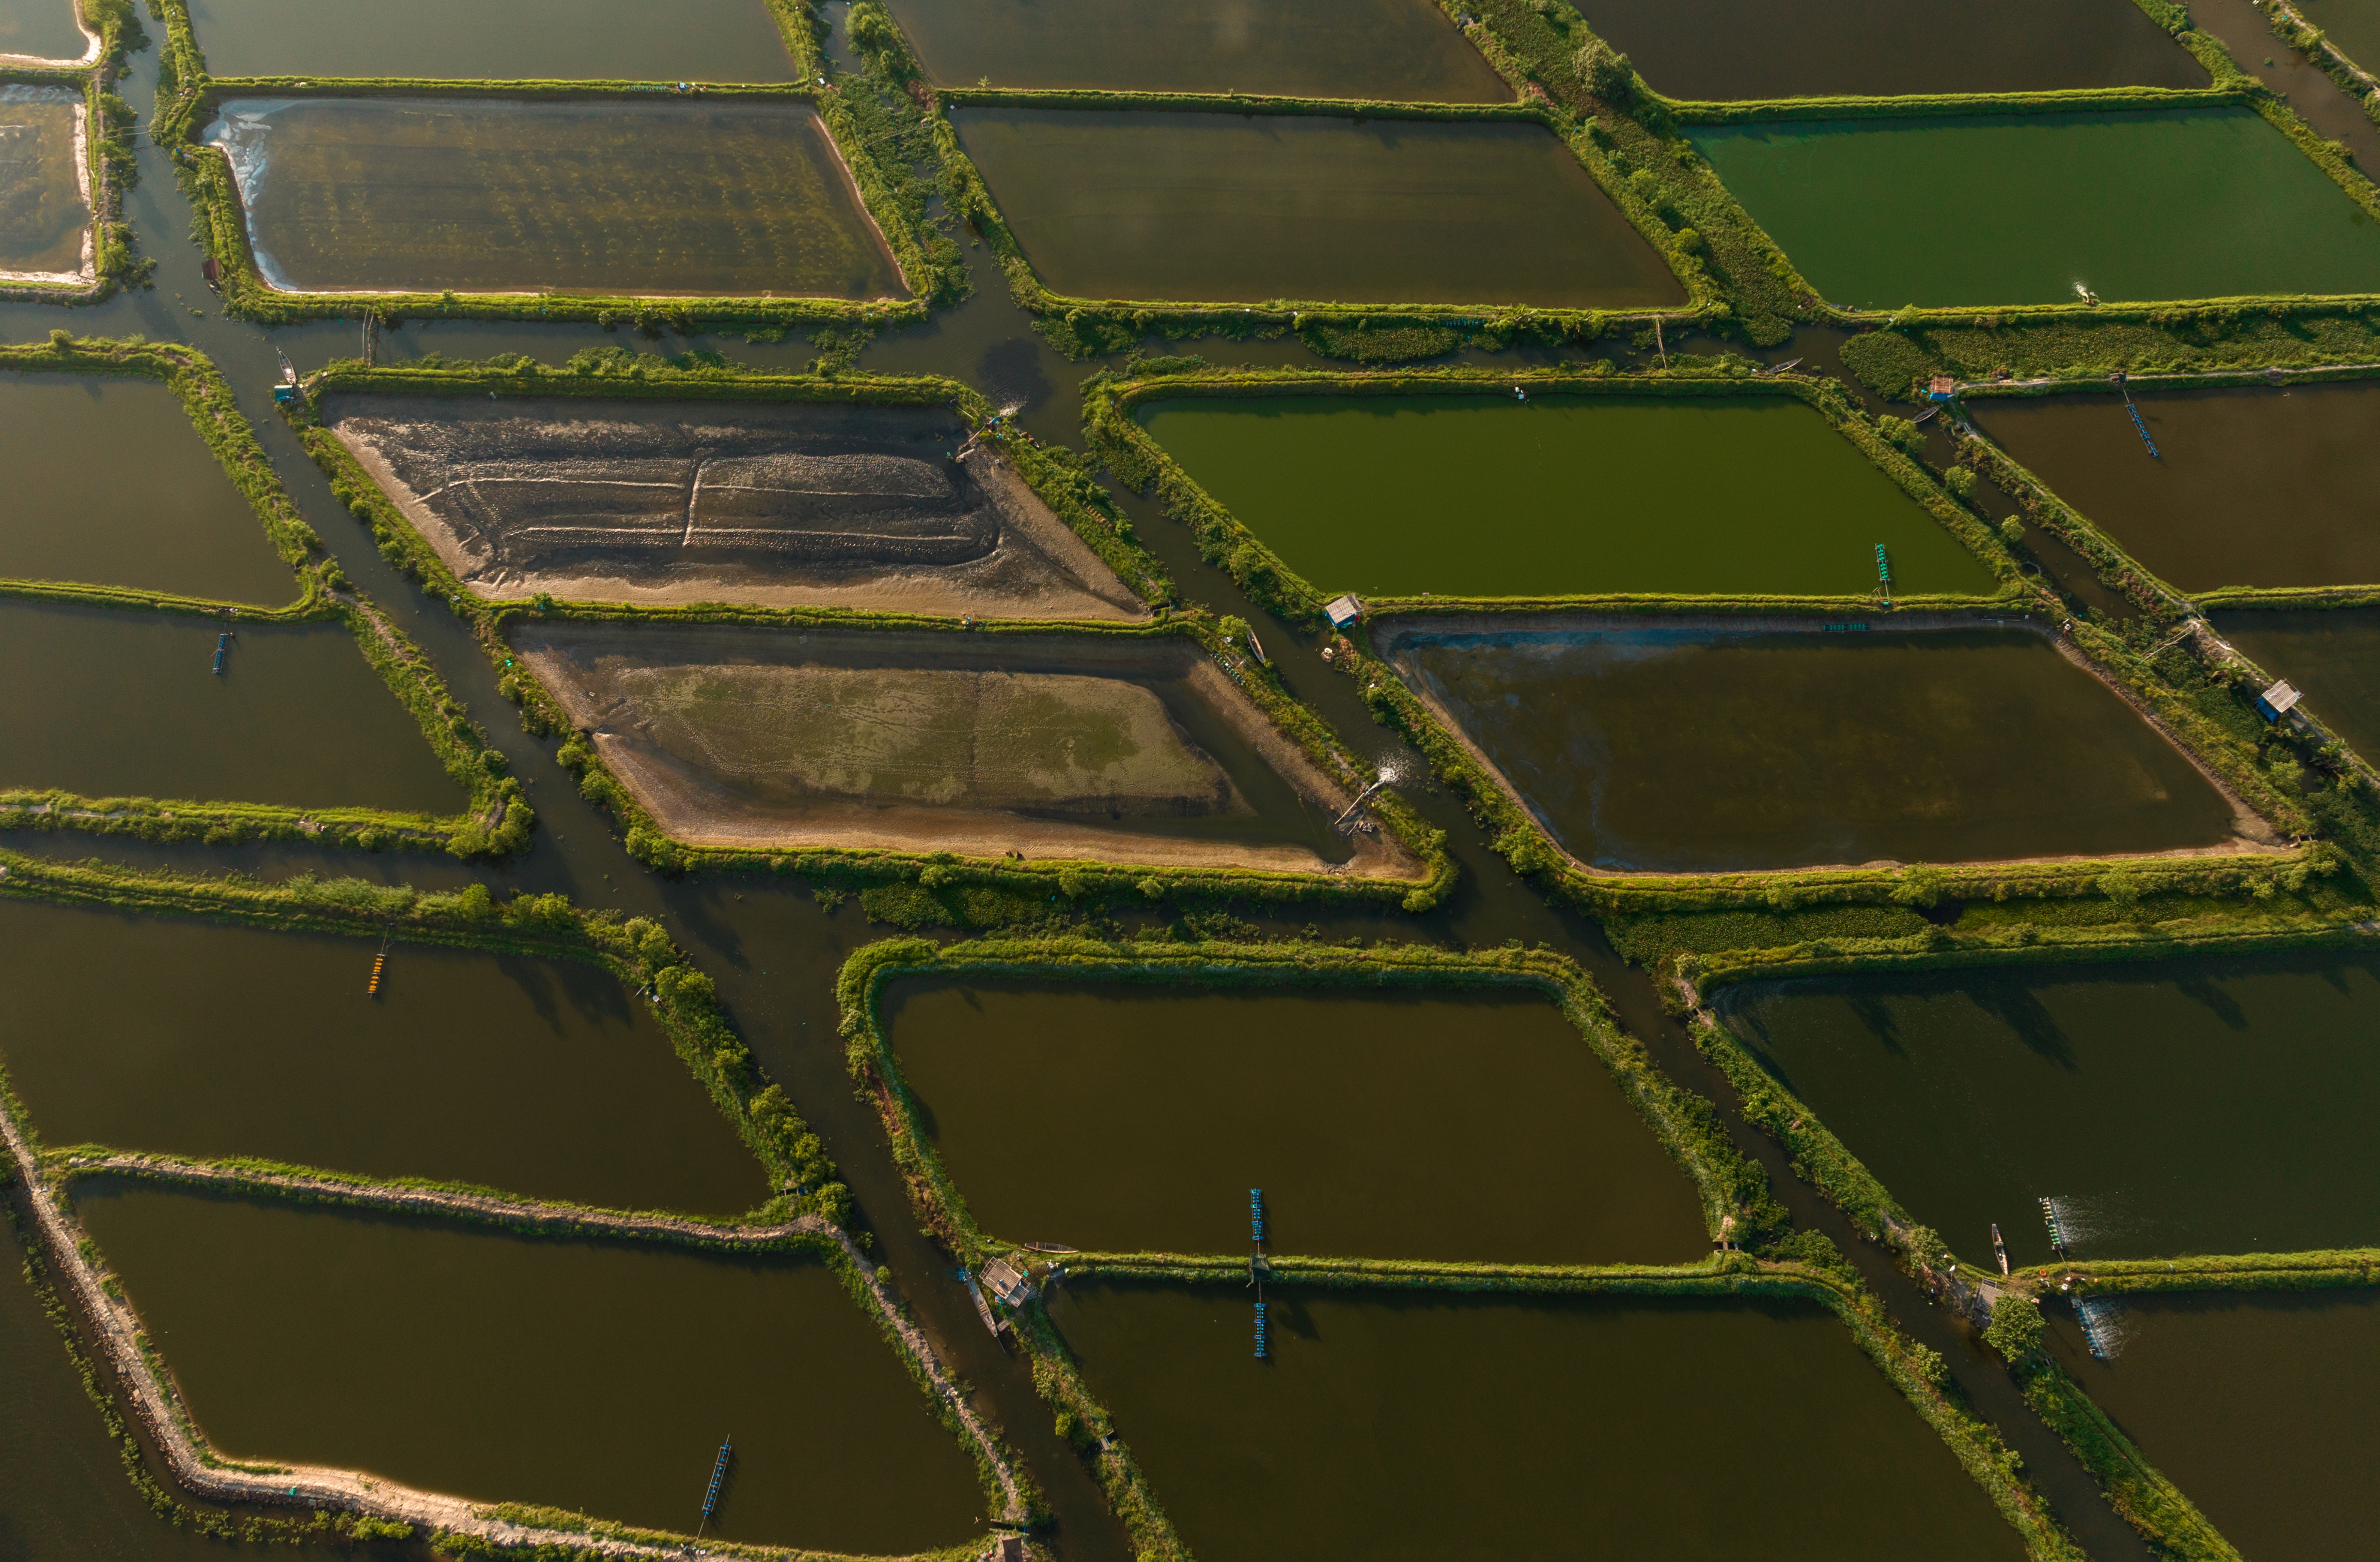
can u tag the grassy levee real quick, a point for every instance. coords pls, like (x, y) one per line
(2322, 1269)
(2290, 24)
(2169, 1521)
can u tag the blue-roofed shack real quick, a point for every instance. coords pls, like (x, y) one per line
(2278, 701)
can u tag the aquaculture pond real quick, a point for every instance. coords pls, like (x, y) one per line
(2332, 654)
(1807, 748)
(534, 1077)
(170, 521)
(41, 29)
(2353, 25)
(44, 218)
(1715, 49)
(1394, 50)
(2249, 486)
(593, 1376)
(128, 705)
(488, 195)
(2210, 1108)
(1513, 1426)
(1135, 1118)
(1468, 495)
(2175, 203)
(1249, 207)
(718, 41)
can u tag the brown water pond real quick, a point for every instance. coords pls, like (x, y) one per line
(44, 216)
(2332, 654)
(714, 40)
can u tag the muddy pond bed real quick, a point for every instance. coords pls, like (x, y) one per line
(1495, 1424)
(44, 216)
(2250, 486)
(711, 41)
(41, 29)
(2220, 1106)
(1244, 207)
(169, 521)
(1680, 749)
(127, 704)
(495, 196)
(1478, 496)
(2333, 654)
(593, 1376)
(2137, 205)
(778, 504)
(1129, 1118)
(1123, 750)
(140, 1034)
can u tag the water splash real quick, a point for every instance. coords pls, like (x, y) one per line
(2105, 1325)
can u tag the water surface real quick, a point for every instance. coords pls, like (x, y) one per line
(2353, 25)
(43, 30)
(42, 214)
(1249, 208)
(2213, 1107)
(2176, 204)
(1135, 1118)
(1468, 495)
(518, 39)
(2333, 655)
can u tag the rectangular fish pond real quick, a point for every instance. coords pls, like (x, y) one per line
(1516, 1426)
(2137, 205)
(169, 520)
(1718, 49)
(1682, 749)
(2257, 1407)
(128, 705)
(2259, 485)
(2333, 654)
(1129, 1117)
(597, 1376)
(716, 41)
(1386, 50)
(2213, 1106)
(489, 196)
(44, 197)
(1119, 750)
(780, 504)
(1481, 496)
(1244, 208)
(43, 30)
(537, 1077)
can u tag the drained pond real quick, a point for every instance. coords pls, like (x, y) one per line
(593, 1376)
(2332, 654)
(2213, 1107)
(1466, 496)
(534, 1077)
(717, 40)
(1807, 749)
(1133, 1118)
(2175, 203)
(485, 195)
(1496, 1424)
(44, 216)
(1244, 208)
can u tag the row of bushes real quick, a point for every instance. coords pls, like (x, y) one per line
(2301, 334)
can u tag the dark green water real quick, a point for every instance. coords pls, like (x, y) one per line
(1405, 1427)
(1249, 208)
(44, 29)
(2252, 486)
(488, 196)
(1680, 750)
(2259, 1408)
(115, 704)
(597, 1377)
(170, 521)
(1715, 49)
(1467, 495)
(43, 217)
(1397, 50)
(719, 41)
(2178, 203)
(536, 1077)
(2334, 656)
(1388, 1126)
(2216, 1108)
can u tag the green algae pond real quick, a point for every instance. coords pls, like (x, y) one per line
(1386, 50)
(2174, 203)
(1720, 49)
(487, 195)
(1413, 1426)
(1133, 1118)
(169, 521)
(127, 704)
(41, 29)
(1807, 749)
(2250, 486)
(1481, 497)
(597, 1376)
(141, 1034)
(2217, 1107)
(2257, 1407)
(1244, 207)
(44, 216)
(2332, 654)
(712, 40)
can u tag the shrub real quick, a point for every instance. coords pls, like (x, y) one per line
(2011, 532)
(1901, 433)
(2016, 1330)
